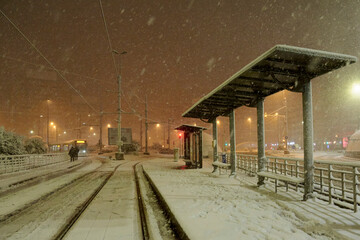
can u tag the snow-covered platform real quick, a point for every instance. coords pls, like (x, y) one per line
(212, 206)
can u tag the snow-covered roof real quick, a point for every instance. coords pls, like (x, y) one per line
(282, 67)
(190, 128)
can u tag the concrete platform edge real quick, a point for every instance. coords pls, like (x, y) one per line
(177, 227)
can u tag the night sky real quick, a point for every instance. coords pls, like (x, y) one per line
(177, 52)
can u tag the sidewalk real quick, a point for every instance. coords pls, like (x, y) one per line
(212, 206)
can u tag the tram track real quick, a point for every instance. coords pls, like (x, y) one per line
(76, 215)
(157, 221)
(62, 205)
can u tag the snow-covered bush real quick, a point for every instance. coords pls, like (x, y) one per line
(10, 143)
(35, 145)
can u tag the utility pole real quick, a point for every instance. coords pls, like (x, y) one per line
(119, 155)
(286, 123)
(168, 133)
(101, 132)
(141, 135)
(146, 128)
(100, 117)
(48, 124)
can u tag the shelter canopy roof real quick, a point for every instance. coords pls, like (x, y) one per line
(280, 68)
(190, 128)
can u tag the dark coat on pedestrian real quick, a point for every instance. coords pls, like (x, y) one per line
(72, 153)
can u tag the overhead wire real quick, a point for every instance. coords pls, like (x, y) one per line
(43, 56)
(41, 65)
(117, 69)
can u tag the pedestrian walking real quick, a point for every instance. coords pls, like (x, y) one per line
(72, 154)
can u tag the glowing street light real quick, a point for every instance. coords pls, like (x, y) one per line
(91, 128)
(249, 120)
(218, 122)
(356, 89)
(157, 125)
(108, 125)
(52, 123)
(31, 132)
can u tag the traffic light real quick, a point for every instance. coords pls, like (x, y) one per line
(180, 135)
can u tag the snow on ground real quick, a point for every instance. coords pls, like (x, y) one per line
(19, 199)
(212, 206)
(8, 180)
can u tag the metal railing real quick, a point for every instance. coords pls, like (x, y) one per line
(16, 163)
(337, 181)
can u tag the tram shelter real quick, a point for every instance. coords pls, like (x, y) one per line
(193, 145)
(280, 68)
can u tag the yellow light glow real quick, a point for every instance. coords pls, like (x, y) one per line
(356, 89)
(91, 128)
(249, 119)
(218, 122)
(276, 114)
(52, 123)
(80, 141)
(108, 125)
(54, 127)
(158, 125)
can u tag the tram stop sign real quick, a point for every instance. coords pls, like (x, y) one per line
(126, 136)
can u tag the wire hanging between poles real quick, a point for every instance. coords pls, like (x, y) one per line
(52, 66)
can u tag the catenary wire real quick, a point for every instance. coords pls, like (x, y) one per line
(43, 56)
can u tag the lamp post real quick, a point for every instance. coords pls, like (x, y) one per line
(119, 155)
(249, 120)
(285, 140)
(48, 123)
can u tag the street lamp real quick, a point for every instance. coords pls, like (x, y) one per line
(109, 125)
(47, 122)
(119, 155)
(56, 135)
(249, 120)
(356, 89)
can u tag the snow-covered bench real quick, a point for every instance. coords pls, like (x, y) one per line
(221, 165)
(283, 178)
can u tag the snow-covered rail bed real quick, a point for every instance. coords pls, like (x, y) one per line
(26, 212)
(126, 208)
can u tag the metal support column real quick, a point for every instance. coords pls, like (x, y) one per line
(261, 140)
(232, 143)
(215, 144)
(200, 150)
(308, 141)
